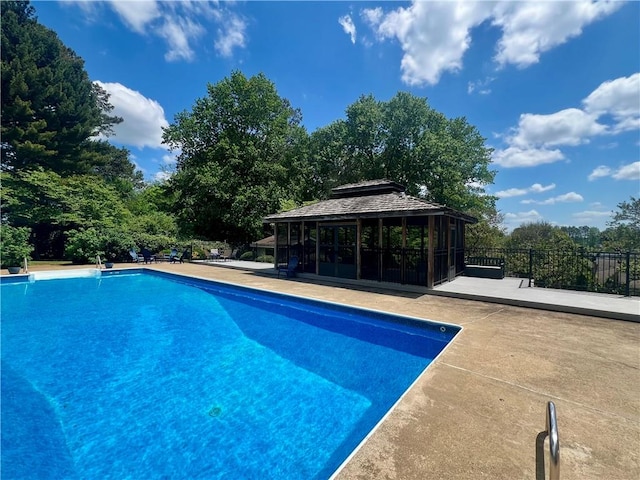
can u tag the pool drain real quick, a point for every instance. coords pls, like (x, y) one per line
(215, 412)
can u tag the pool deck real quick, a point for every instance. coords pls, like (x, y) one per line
(477, 410)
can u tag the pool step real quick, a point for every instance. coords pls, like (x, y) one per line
(58, 274)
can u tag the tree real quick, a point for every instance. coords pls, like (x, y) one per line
(623, 232)
(487, 233)
(242, 152)
(584, 235)
(442, 160)
(52, 205)
(51, 111)
(556, 260)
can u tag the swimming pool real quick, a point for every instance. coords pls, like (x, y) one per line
(152, 375)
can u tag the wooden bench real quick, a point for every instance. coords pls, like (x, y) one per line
(484, 267)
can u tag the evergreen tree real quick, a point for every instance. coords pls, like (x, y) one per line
(50, 108)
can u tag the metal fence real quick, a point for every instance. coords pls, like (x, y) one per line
(579, 269)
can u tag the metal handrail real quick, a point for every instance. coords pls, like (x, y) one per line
(554, 442)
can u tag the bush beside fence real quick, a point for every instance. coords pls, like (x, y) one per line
(579, 269)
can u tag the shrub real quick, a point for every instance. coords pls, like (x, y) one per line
(247, 256)
(265, 259)
(14, 245)
(155, 243)
(83, 245)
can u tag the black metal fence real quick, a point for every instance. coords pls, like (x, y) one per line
(579, 269)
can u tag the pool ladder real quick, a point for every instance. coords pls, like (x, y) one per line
(550, 431)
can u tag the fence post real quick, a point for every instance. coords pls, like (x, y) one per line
(628, 276)
(530, 265)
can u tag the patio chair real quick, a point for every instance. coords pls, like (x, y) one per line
(185, 255)
(290, 268)
(147, 256)
(134, 255)
(173, 256)
(215, 254)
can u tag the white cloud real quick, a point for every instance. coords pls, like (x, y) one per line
(628, 172)
(532, 28)
(619, 98)
(566, 127)
(517, 192)
(162, 176)
(625, 172)
(348, 26)
(170, 159)
(564, 198)
(480, 86)
(525, 157)
(512, 192)
(177, 33)
(599, 172)
(512, 220)
(590, 217)
(612, 108)
(536, 187)
(231, 35)
(373, 16)
(179, 24)
(434, 36)
(136, 14)
(143, 118)
(591, 214)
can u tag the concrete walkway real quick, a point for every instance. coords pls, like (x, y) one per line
(515, 291)
(476, 411)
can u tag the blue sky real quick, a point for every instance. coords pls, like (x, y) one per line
(554, 87)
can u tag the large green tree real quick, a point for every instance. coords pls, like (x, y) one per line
(440, 159)
(50, 109)
(623, 232)
(52, 205)
(58, 177)
(241, 153)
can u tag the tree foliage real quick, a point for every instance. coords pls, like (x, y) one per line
(241, 154)
(442, 160)
(623, 232)
(14, 245)
(50, 108)
(585, 236)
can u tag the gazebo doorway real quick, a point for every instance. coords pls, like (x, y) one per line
(337, 255)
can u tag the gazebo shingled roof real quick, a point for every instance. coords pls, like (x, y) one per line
(369, 199)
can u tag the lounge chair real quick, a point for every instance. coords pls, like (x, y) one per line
(290, 268)
(147, 256)
(215, 254)
(134, 255)
(185, 255)
(174, 256)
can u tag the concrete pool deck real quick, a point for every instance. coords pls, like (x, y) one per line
(476, 412)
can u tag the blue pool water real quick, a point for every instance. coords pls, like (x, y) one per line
(142, 376)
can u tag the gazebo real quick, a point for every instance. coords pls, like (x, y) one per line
(373, 230)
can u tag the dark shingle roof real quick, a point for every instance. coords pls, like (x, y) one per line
(367, 187)
(389, 204)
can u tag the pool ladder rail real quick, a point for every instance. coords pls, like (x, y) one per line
(551, 431)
